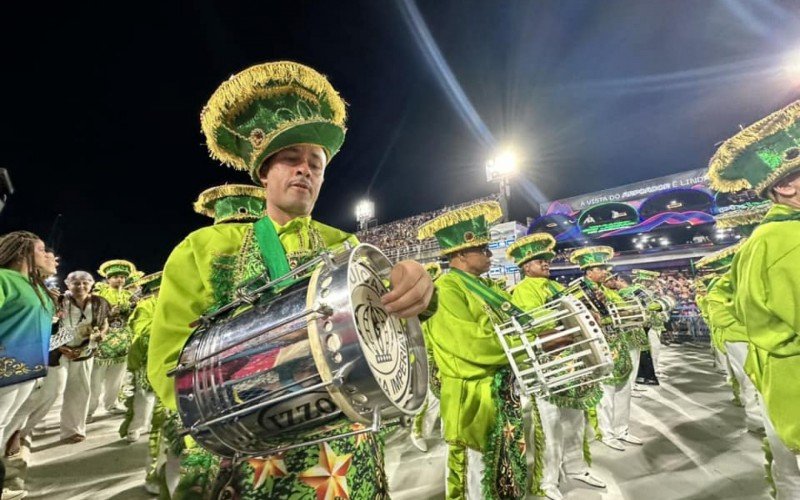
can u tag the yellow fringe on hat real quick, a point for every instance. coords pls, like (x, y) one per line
(717, 256)
(737, 218)
(244, 87)
(117, 262)
(532, 238)
(730, 150)
(491, 211)
(147, 279)
(205, 201)
(646, 272)
(608, 251)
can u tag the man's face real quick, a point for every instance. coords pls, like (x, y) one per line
(80, 287)
(789, 190)
(293, 178)
(478, 260)
(116, 281)
(597, 274)
(537, 268)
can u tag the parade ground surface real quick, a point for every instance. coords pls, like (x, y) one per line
(696, 448)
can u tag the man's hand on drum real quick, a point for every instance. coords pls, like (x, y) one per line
(412, 289)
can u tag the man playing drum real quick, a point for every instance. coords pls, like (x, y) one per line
(765, 277)
(481, 413)
(282, 122)
(613, 411)
(561, 415)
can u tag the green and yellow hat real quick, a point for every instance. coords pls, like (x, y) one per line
(115, 267)
(719, 261)
(746, 219)
(134, 276)
(760, 155)
(644, 275)
(232, 203)
(269, 107)
(462, 228)
(149, 283)
(592, 256)
(531, 247)
(434, 270)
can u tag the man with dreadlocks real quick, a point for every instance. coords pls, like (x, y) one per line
(26, 317)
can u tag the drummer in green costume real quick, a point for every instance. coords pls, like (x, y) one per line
(765, 277)
(613, 411)
(110, 360)
(561, 416)
(281, 122)
(481, 413)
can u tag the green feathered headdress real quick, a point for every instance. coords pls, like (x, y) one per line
(269, 107)
(232, 203)
(592, 256)
(531, 247)
(463, 227)
(115, 267)
(760, 154)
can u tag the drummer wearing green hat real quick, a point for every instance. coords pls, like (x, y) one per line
(614, 409)
(232, 203)
(765, 276)
(481, 417)
(281, 123)
(657, 317)
(561, 416)
(109, 367)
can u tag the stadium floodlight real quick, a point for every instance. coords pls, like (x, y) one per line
(504, 164)
(365, 212)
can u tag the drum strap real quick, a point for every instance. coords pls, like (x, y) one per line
(272, 251)
(495, 300)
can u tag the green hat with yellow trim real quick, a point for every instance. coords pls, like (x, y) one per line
(269, 107)
(149, 283)
(644, 275)
(746, 219)
(134, 276)
(232, 203)
(592, 256)
(719, 261)
(532, 247)
(463, 227)
(760, 155)
(434, 270)
(116, 267)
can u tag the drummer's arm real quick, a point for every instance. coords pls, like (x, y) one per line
(182, 299)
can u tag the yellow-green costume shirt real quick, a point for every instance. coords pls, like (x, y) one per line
(200, 272)
(531, 293)
(766, 280)
(719, 306)
(140, 322)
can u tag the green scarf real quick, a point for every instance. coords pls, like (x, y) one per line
(496, 301)
(271, 248)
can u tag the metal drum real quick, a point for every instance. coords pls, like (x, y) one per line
(627, 315)
(555, 348)
(274, 369)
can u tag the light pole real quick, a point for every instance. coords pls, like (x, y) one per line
(501, 168)
(365, 213)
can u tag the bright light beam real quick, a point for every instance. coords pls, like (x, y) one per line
(448, 81)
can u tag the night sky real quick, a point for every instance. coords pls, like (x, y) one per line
(101, 102)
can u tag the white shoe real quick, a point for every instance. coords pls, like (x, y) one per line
(132, 436)
(636, 395)
(552, 493)
(419, 443)
(9, 494)
(631, 439)
(639, 388)
(589, 479)
(613, 443)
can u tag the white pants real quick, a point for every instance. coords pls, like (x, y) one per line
(76, 396)
(563, 441)
(636, 357)
(106, 380)
(785, 464)
(430, 417)
(721, 361)
(655, 347)
(737, 353)
(143, 403)
(475, 470)
(35, 408)
(614, 410)
(11, 399)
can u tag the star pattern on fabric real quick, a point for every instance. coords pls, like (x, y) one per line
(273, 466)
(523, 446)
(508, 431)
(329, 476)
